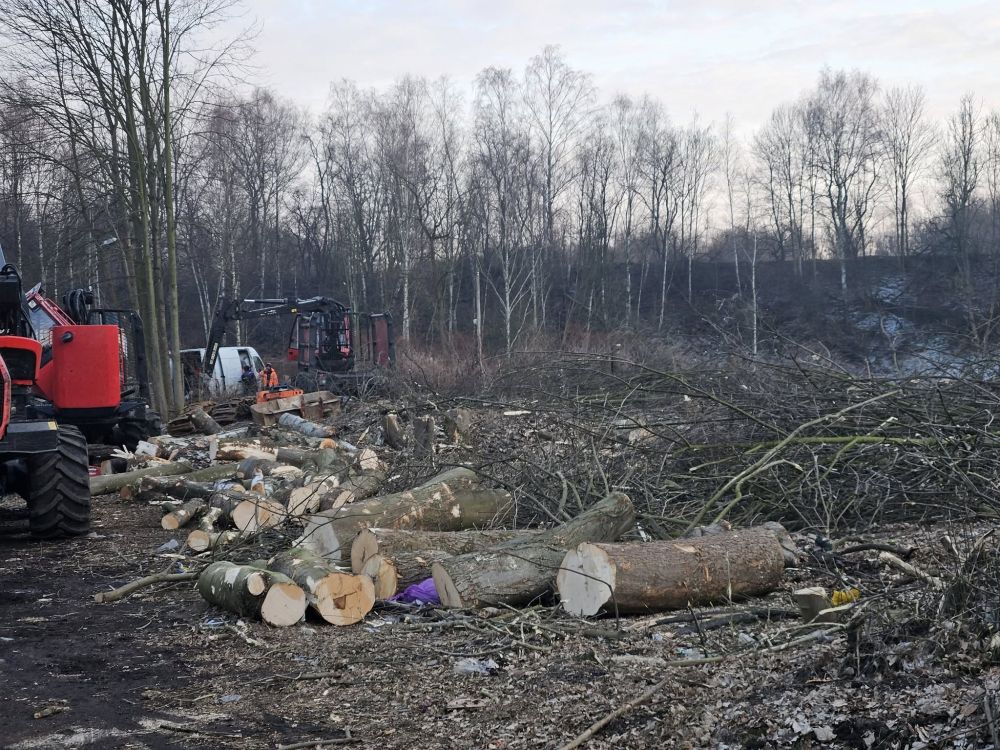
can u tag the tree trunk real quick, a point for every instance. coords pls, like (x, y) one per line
(250, 516)
(201, 540)
(654, 576)
(204, 423)
(516, 572)
(101, 485)
(253, 592)
(390, 542)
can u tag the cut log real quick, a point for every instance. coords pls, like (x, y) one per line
(209, 518)
(250, 516)
(199, 483)
(306, 499)
(435, 508)
(516, 572)
(252, 592)
(183, 515)
(243, 450)
(202, 422)
(367, 460)
(201, 540)
(328, 460)
(392, 431)
(391, 542)
(101, 485)
(424, 432)
(657, 576)
(306, 427)
(355, 487)
(391, 575)
(339, 598)
(383, 575)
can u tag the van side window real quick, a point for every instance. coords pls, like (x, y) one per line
(258, 364)
(244, 358)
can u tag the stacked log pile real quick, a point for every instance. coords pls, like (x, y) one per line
(338, 542)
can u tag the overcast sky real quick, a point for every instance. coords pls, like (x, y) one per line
(709, 56)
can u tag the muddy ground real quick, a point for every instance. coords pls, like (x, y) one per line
(164, 670)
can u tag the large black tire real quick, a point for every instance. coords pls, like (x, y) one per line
(129, 432)
(59, 488)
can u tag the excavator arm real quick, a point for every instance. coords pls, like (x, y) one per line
(227, 311)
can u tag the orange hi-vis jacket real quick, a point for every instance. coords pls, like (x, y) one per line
(268, 378)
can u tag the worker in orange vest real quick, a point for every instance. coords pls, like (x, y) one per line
(268, 377)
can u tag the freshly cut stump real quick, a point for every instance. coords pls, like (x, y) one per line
(658, 576)
(250, 591)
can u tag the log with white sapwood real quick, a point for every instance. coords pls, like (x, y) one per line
(305, 426)
(516, 572)
(103, 484)
(197, 483)
(391, 542)
(355, 487)
(209, 517)
(338, 597)
(435, 508)
(424, 432)
(393, 574)
(251, 516)
(202, 540)
(306, 499)
(321, 537)
(392, 431)
(664, 575)
(183, 515)
(203, 422)
(367, 460)
(253, 592)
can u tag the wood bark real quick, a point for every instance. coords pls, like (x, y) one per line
(516, 572)
(391, 542)
(183, 515)
(102, 485)
(355, 487)
(305, 426)
(306, 499)
(253, 592)
(204, 423)
(662, 575)
(339, 598)
(435, 508)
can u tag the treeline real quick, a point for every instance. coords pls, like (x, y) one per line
(130, 163)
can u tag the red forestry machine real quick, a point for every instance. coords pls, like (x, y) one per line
(332, 347)
(69, 375)
(43, 462)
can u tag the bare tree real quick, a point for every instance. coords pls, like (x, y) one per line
(909, 140)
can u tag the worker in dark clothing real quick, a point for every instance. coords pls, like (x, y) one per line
(268, 377)
(248, 381)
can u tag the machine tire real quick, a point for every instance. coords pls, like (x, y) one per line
(59, 494)
(129, 432)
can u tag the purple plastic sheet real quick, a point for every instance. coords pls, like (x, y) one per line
(419, 593)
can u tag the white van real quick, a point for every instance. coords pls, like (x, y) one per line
(225, 381)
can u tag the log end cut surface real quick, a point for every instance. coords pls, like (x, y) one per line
(586, 580)
(446, 590)
(284, 605)
(344, 599)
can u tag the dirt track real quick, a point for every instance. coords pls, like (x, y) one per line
(163, 670)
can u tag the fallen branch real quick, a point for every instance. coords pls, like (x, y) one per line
(128, 589)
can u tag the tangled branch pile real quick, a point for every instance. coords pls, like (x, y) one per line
(809, 447)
